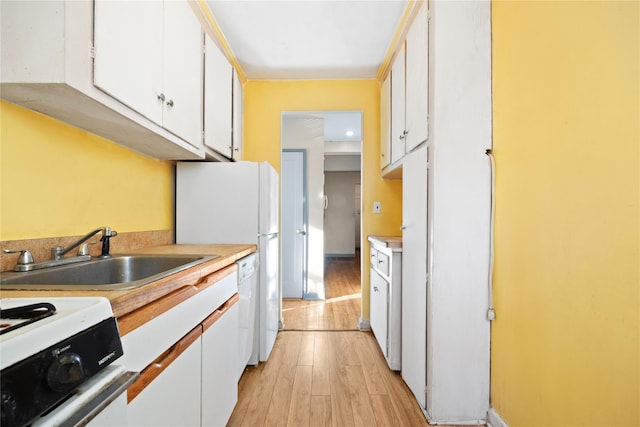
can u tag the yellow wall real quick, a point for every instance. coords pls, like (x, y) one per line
(57, 180)
(264, 101)
(565, 345)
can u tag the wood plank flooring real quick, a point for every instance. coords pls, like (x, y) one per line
(319, 378)
(322, 371)
(341, 308)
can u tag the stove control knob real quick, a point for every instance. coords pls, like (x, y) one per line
(65, 373)
(9, 407)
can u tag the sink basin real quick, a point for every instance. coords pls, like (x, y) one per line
(117, 273)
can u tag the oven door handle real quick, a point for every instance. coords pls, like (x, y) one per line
(92, 408)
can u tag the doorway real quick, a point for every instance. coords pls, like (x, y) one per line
(331, 284)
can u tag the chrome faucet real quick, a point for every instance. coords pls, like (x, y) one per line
(26, 263)
(58, 252)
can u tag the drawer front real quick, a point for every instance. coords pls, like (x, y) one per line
(144, 344)
(383, 263)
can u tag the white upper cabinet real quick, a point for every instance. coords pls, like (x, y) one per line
(385, 117)
(238, 111)
(47, 57)
(417, 80)
(128, 54)
(218, 102)
(148, 55)
(182, 65)
(398, 128)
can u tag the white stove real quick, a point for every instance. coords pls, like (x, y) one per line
(54, 354)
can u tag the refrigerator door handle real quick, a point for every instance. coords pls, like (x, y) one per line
(267, 234)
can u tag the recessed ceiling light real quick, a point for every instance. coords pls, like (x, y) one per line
(349, 133)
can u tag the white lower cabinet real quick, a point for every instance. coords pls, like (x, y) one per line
(184, 357)
(173, 397)
(385, 296)
(219, 353)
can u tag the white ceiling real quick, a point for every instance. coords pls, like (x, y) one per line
(308, 39)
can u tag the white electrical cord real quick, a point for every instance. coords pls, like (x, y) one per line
(491, 314)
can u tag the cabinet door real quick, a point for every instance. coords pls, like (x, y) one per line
(183, 79)
(385, 122)
(417, 84)
(217, 100)
(172, 398)
(379, 310)
(128, 54)
(238, 111)
(398, 107)
(414, 272)
(219, 373)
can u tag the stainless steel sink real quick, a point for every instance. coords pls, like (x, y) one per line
(117, 273)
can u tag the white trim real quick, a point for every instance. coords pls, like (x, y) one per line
(494, 420)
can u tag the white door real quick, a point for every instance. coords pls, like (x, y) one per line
(183, 75)
(218, 83)
(128, 54)
(398, 107)
(414, 272)
(293, 224)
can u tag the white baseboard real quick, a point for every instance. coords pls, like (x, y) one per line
(494, 420)
(363, 325)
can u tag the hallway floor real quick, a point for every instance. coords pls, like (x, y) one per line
(341, 308)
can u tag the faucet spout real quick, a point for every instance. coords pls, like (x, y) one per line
(58, 252)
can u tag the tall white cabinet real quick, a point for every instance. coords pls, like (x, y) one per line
(414, 272)
(446, 209)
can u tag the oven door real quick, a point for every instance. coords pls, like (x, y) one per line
(100, 401)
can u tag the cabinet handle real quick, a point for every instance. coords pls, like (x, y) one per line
(161, 97)
(403, 227)
(380, 261)
(170, 103)
(401, 136)
(375, 289)
(156, 367)
(236, 149)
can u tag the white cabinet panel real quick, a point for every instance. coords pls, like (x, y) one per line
(128, 66)
(417, 80)
(219, 355)
(172, 398)
(182, 66)
(398, 106)
(379, 311)
(385, 122)
(414, 272)
(217, 100)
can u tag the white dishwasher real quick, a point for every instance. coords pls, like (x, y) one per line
(248, 308)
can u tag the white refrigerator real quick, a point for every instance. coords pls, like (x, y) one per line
(236, 203)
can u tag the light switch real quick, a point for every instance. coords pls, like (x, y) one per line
(377, 208)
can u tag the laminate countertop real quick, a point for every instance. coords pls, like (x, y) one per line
(167, 291)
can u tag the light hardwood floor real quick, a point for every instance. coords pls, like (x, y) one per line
(341, 308)
(326, 378)
(314, 378)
